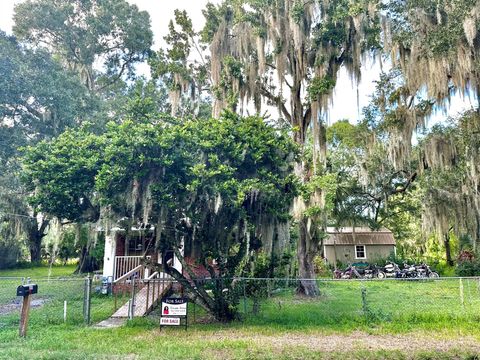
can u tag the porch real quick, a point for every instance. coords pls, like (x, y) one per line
(123, 255)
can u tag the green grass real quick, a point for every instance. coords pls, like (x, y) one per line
(389, 306)
(423, 311)
(143, 340)
(40, 271)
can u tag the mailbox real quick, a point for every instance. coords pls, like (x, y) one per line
(25, 290)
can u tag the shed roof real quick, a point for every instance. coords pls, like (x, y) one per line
(359, 236)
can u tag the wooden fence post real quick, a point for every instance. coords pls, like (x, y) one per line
(87, 299)
(462, 299)
(24, 316)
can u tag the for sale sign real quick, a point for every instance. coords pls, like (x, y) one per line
(173, 310)
(174, 307)
(169, 321)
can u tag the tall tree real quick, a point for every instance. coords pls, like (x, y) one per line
(100, 40)
(450, 179)
(38, 100)
(184, 67)
(287, 53)
(209, 185)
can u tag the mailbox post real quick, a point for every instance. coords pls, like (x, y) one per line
(26, 291)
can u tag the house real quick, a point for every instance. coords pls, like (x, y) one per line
(358, 244)
(122, 255)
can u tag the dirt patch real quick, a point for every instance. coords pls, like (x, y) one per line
(339, 343)
(363, 341)
(16, 305)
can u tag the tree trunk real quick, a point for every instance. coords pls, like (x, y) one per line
(36, 234)
(306, 251)
(307, 246)
(448, 250)
(35, 247)
(87, 262)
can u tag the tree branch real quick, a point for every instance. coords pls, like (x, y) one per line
(276, 100)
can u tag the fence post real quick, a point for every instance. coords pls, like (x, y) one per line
(148, 294)
(130, 317)
(65, 311)
(132, 303)
(244, 297)
(114, 291)
(462, 299)
(87, 299)
(364, 300)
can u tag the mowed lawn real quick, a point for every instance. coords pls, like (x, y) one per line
(350, 320)
(42, 271)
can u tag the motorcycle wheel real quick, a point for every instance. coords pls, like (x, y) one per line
(381, 275)
(433, 275)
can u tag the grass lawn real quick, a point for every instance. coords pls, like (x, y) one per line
(350, 320)
(143, 340)
(40, 271)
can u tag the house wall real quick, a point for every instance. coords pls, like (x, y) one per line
(346, 253)
(109, 256)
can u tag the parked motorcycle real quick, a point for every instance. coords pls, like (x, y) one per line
(373, 271)
(409, 271)
(349, 273)
(424, 271)
(390, 270)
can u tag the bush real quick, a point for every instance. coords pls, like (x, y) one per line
(468, 268)
(9, 254)
(321, 268)
(467, 264)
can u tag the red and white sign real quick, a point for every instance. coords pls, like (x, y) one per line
(169, 321)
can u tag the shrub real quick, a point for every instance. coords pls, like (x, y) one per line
(467, 264)
(468, 268)
(9, 254)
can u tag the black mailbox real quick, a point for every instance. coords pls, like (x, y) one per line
(25, 290)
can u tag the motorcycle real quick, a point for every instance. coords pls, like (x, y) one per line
(390, 270)
(409, 271)
(373, 271)
(424, 271)
(349, 273)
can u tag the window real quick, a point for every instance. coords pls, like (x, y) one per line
(360, 252)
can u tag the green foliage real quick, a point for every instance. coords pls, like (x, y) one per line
(83, 33)
(343, 133)
(142, 101)
(9, 251)
(39, 99)
(320, 86)
(244, 162)
(468, 268)
(441, 34)
(62, 173)
(298, 11)
(67, 248)
(37, 94)
(327, 183)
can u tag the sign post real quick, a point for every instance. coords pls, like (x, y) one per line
(173, 311)
(25, 291)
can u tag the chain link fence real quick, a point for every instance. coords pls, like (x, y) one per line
(359, 301)
(69, 300)
(80, 301)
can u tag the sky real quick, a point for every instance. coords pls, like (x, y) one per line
(345, 105)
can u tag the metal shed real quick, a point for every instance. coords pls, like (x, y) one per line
(354, 244)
